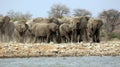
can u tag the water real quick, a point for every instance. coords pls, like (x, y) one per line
(86, 61)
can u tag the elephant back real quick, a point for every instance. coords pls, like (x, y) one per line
(65, 20)
(40, 29)
(38, 19)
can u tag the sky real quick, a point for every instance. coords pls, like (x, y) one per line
(40, 8)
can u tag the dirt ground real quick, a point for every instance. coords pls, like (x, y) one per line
(110, 48)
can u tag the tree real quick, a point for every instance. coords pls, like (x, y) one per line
(81, 12)
(110, 18)
(18, 15)
(58, 10)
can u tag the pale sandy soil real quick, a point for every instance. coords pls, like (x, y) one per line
(110, 48)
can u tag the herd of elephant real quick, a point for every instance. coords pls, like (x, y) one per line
(57, 30)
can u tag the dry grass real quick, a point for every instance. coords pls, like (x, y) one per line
(110, 48)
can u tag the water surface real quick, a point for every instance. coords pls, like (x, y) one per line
(85, 61)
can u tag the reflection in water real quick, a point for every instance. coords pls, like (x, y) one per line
(89, 61)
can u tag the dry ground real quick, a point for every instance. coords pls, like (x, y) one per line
(110, 48)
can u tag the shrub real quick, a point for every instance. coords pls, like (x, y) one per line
(113, 35)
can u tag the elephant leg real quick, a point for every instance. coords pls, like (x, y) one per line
(51, 37)
(86, 35)
(42, 39)
(58, 37)
(11, 37)
(54, 38)
(48, 38)
(6, 38)
(67, 37)
(35, 39)
(80, 35)
(74, 36)
(97, 36)
(3, 38)
(63, 40)
(0, 37)
(21, 39)
(94, 38)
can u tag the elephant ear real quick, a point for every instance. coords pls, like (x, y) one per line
(6, 19)
(100, 23)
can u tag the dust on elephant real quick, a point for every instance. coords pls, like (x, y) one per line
(94, 26)
(6, 29)
(20, 29)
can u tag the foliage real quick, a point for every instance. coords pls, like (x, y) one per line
(58, 10)
(81, 12)
(110, 18)
(18, 15)
(114, 35)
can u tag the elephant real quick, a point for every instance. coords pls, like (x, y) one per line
(65, 32)
(94, 26)
(78, 25)
(6, 29)
(68, 28)
(20, 29)
(82, 31)
(75, 26)
(44, 30)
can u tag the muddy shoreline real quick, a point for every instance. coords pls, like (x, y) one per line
(14, 50)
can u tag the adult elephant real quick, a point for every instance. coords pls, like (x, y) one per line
(69, 29)
(82, 31)
(20, 29)
(44, 30)
(94, 26)
(6, 29)
(75, 26)
(79, 28)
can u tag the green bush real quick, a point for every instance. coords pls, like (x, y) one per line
(114, 35)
